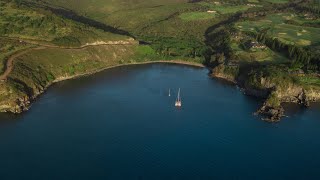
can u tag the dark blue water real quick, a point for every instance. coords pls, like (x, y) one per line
(121, 124)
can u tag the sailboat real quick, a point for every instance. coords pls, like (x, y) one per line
(169, 93)
(178, 101)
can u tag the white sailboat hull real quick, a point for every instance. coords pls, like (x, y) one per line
(178, 104)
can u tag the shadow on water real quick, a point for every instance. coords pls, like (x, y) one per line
(113, 75)
(225, 83)
(292, 109)
(9, 118)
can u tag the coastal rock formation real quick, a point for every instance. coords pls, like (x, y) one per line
(270, 113)
(274, 92)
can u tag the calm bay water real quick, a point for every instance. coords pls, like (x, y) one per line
(121, 124)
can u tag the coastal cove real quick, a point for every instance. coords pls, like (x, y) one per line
(159, 89)
(121, 124)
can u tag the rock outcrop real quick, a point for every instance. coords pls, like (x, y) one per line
(270, 113)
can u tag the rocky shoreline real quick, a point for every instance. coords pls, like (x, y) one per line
(270, 111)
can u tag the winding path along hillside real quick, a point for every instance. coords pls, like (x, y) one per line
(9, 64)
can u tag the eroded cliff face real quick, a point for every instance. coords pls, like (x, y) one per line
(299, 94)
(12, 99)
(273, 90)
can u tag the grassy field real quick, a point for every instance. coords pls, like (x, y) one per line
(191, 16)
(35, 24)
(109, 6)
(265, 55)
(292, 34)
(9, 47)
(215, 9)
(308, 81)
(131, 19)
